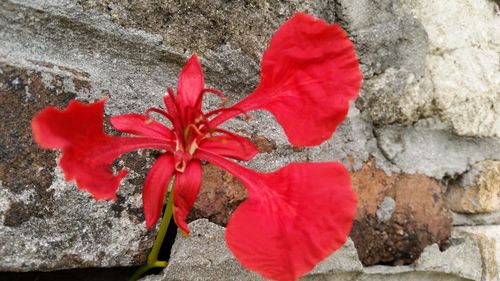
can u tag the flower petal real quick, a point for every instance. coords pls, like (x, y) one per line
(186, 187)
(308, 75)
(190, 85)
(57, 129)
(155, 187)
(87, 153)
(293, 218)
(230, 145)
(139, 124)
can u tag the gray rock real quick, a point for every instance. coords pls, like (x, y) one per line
(462, 259)
(429, 148)
(204, 256)
(386, 209)
(476, 219)
(75, 49)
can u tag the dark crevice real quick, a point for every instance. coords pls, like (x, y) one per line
(82, 274)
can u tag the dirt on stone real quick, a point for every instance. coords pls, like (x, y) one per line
(23, 165)
(420, 217)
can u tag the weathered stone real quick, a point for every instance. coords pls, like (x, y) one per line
(446, 69)
(429, 148)
(407, 273)
(220, 194)
(401, 238)
(462, 258)
(204, 256)
(477, 191)
(45, 223)
(392, 48)
(386, 209)
(476, 219)
(488, 239)
(463, 62)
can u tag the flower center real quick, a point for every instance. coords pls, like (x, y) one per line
(188, 142)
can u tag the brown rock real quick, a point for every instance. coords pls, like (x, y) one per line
(263, 144)
(220, 194)
(23, 165)
(419, 217)
(477, 191)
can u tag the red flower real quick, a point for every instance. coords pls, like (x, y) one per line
(294, 217)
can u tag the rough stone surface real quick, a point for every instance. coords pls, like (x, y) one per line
(386, 209)
(220, 194)
(46, 223)
(430, 148)
(478, 190)
(430, 90)
(488, 240)
(462, 258)
(452, 72)
(204, 256)
(400, 239)
(476, 219)
(463, 62)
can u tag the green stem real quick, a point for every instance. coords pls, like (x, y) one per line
(160, 236)
(165, 221)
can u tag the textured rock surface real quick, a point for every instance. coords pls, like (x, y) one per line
(46, 223)
(402, 234)
(204, 256)
(488, 239)
(220, 195)
(430, 148)
(463, 62)
(463, 259)
(74, 49)
(428, 109)
(476, 219)
(478, 190)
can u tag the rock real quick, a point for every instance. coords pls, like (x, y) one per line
(386, 209)
(407, 273)
(463, 62)
(220, 194)
(45, 223)
(476, 219)
(488, 239)
(400, 239)
(430, 91)
(462, 258)
(91, 49)
(203, 255)
(446, 69)
(429, 148)
(478, 190)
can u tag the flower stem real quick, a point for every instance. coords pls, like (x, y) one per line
(153, 255)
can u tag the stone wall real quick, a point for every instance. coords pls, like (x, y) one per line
(422, 142)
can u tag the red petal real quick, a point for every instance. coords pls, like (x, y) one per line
(88, 153)
(55, 128)
(190, 85)
(232, 145)
(309, 74)
(141, 125)
(155, 187)
(293, 218)
(186, 189)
